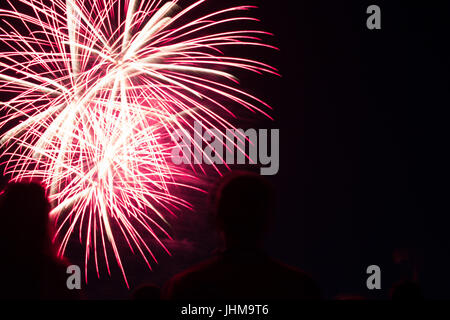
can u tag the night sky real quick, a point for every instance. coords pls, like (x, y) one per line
(362, 118)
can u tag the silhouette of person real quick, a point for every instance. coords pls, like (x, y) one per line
(244, 204)
(29, 268)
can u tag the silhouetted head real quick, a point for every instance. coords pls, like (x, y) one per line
(24, 212)
(406, 290)
(147, 292)
(244, 204)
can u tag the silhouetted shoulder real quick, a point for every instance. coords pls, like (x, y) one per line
(302, 284)
(181, 286)
(54, 278)
(242, 276)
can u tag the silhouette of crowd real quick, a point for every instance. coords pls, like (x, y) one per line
(243, 206)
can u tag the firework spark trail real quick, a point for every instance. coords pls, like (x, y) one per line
(99, 86)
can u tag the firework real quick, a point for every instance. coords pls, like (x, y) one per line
(98, 89)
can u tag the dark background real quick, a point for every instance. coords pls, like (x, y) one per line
(362, 118)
